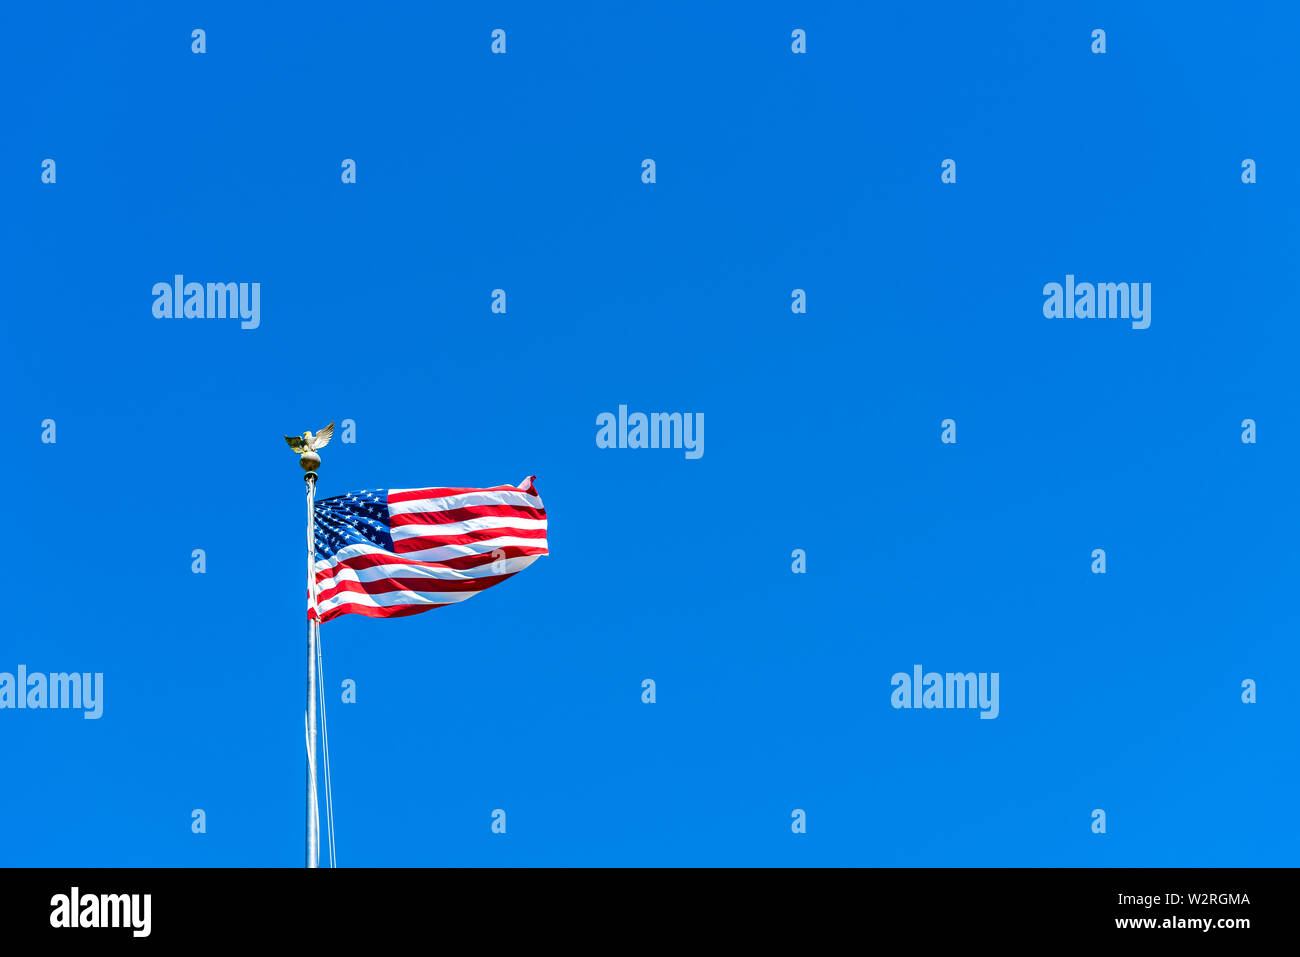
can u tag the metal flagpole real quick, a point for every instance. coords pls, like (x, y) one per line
(313, 815)
(306, 447)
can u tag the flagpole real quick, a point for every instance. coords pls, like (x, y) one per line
(313, 816)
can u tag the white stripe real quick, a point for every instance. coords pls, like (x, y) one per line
(349, 551)
(390, 598)
(506, 566)
(403, 532)
(352, 551)
(444, 502)
(444, 552)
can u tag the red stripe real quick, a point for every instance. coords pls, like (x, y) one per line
(447, 516)
(370, 611)
(459, 563)
(382, 586)
(411, 495)
(466, 538)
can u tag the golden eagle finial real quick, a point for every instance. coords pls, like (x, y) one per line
(307, 445)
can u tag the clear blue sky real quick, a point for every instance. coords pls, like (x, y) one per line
(775, 171)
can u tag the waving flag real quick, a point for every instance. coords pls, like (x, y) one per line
(401, 551)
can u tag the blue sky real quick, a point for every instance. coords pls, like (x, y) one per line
(775, 171)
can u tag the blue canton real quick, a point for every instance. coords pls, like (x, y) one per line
(358, 518)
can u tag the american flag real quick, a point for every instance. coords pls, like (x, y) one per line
(401, 551)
